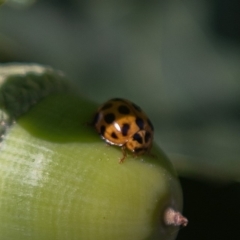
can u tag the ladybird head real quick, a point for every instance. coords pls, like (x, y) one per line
(140, 142)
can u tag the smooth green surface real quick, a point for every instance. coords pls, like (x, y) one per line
(60, 181)
(62, 118)
(76, 189)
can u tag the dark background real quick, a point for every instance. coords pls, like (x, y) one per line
(178, 60)
(212, 210)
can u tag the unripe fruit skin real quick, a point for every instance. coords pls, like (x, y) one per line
(60, 181)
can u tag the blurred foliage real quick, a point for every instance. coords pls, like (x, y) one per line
(1, 2)
(167, 56)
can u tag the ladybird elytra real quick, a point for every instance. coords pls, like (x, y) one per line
(122, 123)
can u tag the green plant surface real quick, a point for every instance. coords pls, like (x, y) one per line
(60, 181)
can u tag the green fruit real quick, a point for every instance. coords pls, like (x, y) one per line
(60, 181)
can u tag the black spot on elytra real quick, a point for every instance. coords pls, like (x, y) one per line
(125, 129)
(102, 130)
(123, 109)
(147, 137)
(150, 124)
(137, 107)
(109, 118)
(137, 137)
(113, 135)
(95, 119)
(106, 106)
(140, 123)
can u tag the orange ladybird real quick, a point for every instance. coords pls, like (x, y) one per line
(122, 123)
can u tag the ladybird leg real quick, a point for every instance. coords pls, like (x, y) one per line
(124, 154)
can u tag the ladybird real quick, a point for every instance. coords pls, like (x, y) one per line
(122, 123)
